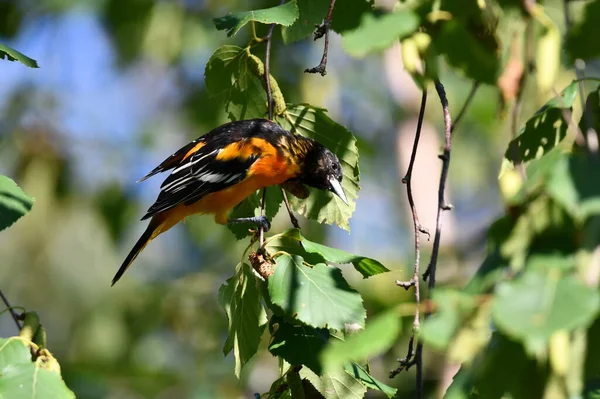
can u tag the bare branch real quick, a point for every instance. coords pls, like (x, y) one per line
(267, 39)
(293, 218)
(16, 317)
(463, 110)
(323, 30)
(413, 358)
(442, 205)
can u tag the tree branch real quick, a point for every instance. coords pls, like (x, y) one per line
(267, 40)
(463, 110)
(16, 317)
(414, 358)
(293, 218)
(323, 30)
(442, 205)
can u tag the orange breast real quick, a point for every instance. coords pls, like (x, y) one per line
(271, 169)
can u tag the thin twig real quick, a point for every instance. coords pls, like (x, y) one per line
(407, 362)
(323, 30)
(442, 205)
(16, 317)
(267, 39)
(463, 110)
(293, 218)
(589, 134)
(413, 358)
(267, 71)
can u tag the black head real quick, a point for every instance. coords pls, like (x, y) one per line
(322, 170)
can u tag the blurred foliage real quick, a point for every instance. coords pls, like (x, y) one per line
(524, 325)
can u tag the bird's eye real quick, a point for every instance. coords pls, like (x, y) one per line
(334, 166)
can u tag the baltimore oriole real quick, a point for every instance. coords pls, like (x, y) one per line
(215, 172)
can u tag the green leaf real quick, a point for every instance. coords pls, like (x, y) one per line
(230, 78)
(347, 14)
(311, 13)
(251, 207)
(289, 241)
(379, 336)
(14, 203)
(573, 184)
(13, 351)
(366, 266)
(499, 372)
(378, 31)
(544, 130)
(489, 273)
(297, 344)
(475, 57)
(538, 304)
(240, 297)
(322, 205)
(284, 14)
(10, 54)
(22, 378)
(337, 384)
(441, 327)
(318, 296)
(359, 372)
(579, 44)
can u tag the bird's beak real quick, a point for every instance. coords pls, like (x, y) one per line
(337, 189)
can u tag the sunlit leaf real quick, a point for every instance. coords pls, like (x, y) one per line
(298, 344)
(230, 79)
(241, 299)
(379, 335)
(336, 384)
(14, 203)
(10, 54)
(318, 296)
(20, 377)
(378, 31)
(359, 372)
(366, 266)
(284, 14)
(538, 304)
(322, 205)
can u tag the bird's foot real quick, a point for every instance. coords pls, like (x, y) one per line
(259, 221)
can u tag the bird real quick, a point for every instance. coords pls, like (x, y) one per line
(217, 171)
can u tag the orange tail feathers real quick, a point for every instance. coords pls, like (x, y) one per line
(155, 227)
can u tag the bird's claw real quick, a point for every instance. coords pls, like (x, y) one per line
(263, 222)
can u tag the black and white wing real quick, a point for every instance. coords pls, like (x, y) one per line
(198, 175)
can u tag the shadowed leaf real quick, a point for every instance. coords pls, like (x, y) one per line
(241, 300)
